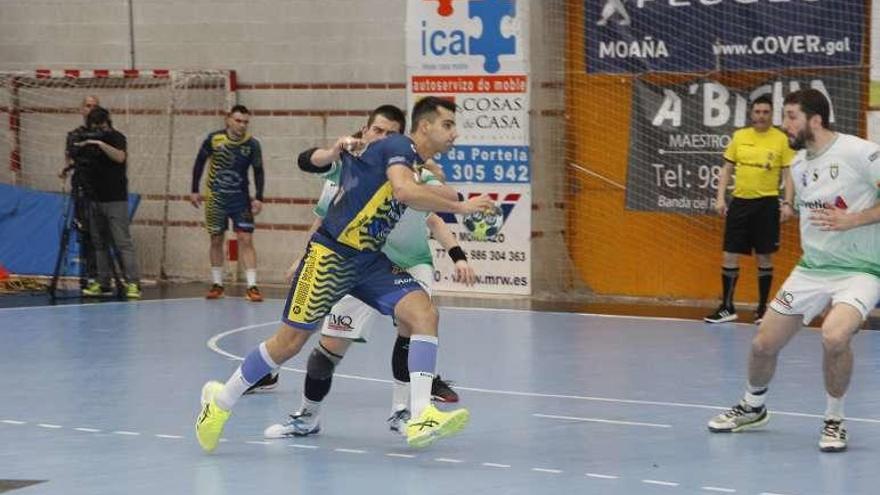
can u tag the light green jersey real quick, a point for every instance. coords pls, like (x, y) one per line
(846, 175)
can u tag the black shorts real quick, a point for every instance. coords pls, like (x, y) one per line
(752, 224)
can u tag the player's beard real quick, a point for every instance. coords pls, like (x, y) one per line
(800, 141)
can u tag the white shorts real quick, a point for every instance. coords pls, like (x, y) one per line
(352, 319)
(808, 292)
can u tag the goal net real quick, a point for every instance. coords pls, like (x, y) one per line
(163, 114)
(653, 92)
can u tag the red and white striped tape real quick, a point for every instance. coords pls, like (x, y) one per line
(102, 73)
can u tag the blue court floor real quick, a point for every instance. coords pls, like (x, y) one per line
(101, 399)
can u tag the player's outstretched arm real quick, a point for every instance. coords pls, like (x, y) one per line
(464, 272)
(318, 160)
(425, 198)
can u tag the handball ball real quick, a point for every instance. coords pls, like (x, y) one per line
(484, 224)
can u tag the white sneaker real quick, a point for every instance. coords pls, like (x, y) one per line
(738, 418)
(300, 424)
(397, 421)
(833, 437)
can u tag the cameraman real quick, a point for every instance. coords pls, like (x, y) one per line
(79, 195)
(100, 151)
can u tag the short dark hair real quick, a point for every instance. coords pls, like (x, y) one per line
(390, 112)
(812, 102)
(764, 99)
(426, 109)
(240, 109)
(97, 116)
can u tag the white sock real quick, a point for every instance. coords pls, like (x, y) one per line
(251, 276)
(755, 396)
(419, 392)
(834, 409)
(217, 274)
(399, 396)
(234, 389)
(311, 407)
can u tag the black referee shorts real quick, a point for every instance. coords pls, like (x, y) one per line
(752, 224)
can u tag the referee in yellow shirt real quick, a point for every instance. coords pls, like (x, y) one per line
(759, 156)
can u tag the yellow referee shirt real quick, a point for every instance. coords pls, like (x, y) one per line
(759, 158)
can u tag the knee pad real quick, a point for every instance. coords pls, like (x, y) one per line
(322, 363)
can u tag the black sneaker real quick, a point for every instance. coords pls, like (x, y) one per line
(441, 391)
(721, 315)
(264, 384)
(759, 314)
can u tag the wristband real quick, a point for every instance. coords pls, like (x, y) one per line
(457, 254)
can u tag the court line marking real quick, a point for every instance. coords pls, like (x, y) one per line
(660, 482)
(599, 420)
(547, 470)
(99, 303)
(392, 454)
(213, 346)
(602, 476)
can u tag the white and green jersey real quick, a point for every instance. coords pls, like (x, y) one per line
(407, 244)
(845, 175)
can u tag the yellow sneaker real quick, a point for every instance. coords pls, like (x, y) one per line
(209, 424)
(434, 424)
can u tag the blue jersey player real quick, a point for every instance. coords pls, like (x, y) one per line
(344, 257)
(230, 153)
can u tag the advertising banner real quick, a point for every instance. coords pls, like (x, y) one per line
(705, 35)
(679, 132)
(475, 53)
(503, 263)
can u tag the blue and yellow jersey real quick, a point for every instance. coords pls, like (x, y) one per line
(364, 211)
(229, 163)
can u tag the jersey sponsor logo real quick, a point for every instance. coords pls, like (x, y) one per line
(873, 156)
(339, 322)
(834, 171)
(785, 299)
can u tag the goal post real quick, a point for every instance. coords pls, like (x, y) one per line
(163, 114)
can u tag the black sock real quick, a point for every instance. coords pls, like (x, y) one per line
(765, 280)
(400, 359)
(728, 284)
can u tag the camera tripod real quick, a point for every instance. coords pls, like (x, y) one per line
(77, 216)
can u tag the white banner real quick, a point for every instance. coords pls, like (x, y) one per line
(503, 264)
(475, 54)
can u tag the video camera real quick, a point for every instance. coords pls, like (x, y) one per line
(82, 155)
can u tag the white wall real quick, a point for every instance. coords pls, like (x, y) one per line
(298, 45)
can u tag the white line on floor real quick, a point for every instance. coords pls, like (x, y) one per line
(13, 422)
(717, 489)
(212, 344)
(545, 470)
(446, 459)
(495, 465)
(302, 446)
(162, 435)
(599, 420)
(129, 433)
(351, 451)
(47, 425)
(602, 476)
(658, 482)
(88, 430)
(258, 442)
(404, 456)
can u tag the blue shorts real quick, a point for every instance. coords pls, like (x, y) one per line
(220, 208)
(330, 270)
